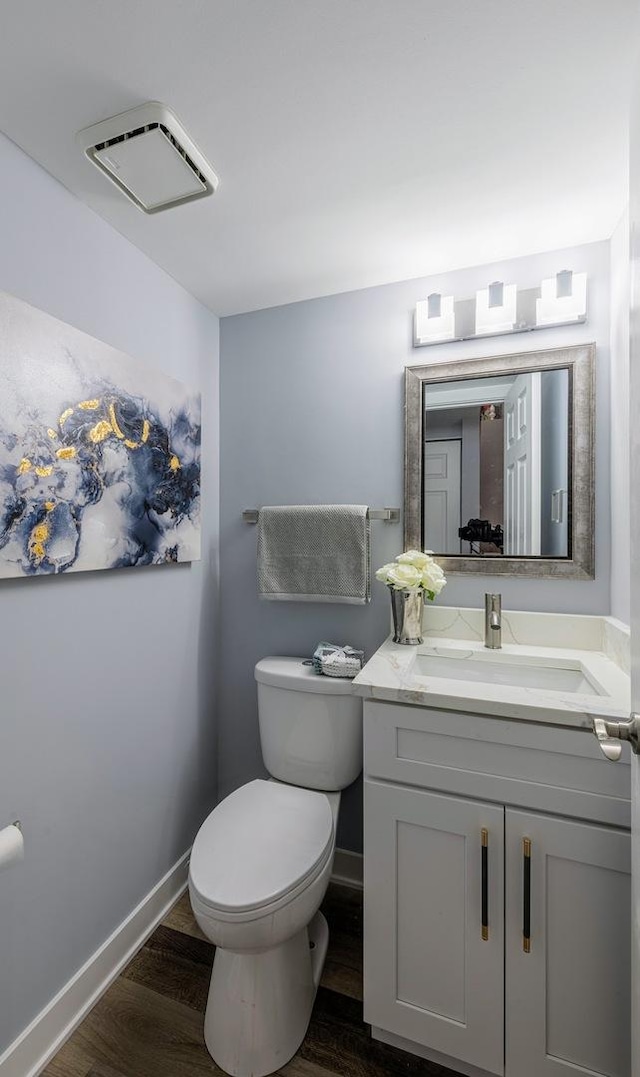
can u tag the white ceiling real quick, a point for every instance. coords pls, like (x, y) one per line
(357, 141)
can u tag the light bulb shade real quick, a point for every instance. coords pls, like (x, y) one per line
(560, 303)
(492, 316)
(432, 327)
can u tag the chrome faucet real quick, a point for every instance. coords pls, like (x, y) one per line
(493, 621)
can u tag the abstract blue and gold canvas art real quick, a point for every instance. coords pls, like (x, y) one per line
(99, 455)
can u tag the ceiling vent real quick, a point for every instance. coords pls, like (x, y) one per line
(149, 156)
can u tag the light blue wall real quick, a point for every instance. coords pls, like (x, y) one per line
(107, 718)
(312, 412)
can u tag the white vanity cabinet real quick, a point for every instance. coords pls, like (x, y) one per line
(497, 894)
(568, 998)
(429, 974)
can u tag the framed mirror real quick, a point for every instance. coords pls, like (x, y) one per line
(499, 463)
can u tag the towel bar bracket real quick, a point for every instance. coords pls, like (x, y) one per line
(390, 516)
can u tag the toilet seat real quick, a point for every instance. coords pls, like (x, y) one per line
(261, 845)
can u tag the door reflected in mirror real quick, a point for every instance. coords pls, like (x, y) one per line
(496, 465)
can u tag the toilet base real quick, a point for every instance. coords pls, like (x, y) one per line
(260, 1004)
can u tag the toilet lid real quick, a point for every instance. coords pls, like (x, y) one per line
(259, 843)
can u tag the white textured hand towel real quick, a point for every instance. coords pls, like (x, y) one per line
(314, 553)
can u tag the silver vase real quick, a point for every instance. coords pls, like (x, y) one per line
(407, 608)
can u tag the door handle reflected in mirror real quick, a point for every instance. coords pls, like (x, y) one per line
(611, 734)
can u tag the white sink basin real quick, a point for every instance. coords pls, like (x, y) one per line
(517, 670)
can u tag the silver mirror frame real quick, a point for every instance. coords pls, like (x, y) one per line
(580, 360)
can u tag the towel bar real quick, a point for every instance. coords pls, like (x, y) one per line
(390, 516)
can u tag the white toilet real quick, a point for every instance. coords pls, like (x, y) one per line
(261, 863)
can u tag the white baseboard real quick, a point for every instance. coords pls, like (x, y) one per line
(35, 1047)
(347, 869)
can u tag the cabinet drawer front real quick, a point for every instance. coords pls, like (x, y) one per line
(568, 997)
(432, 975)
(555, 770)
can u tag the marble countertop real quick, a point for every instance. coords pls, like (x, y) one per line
(392, 674)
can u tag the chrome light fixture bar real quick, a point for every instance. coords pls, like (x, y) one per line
(501, 309)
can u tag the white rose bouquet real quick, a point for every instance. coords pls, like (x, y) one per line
(414, 571)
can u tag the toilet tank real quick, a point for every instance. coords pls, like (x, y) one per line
(310, 725)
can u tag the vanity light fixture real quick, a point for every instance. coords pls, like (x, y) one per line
(496, 308)
(563, 298)
(435, 319)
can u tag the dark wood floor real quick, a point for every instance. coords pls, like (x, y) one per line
(149, 1023)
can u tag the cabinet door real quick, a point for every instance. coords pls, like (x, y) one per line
(567, 999)
(429, 974)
